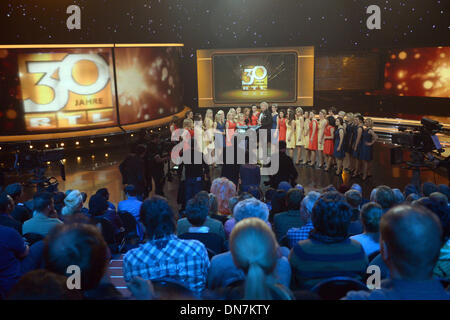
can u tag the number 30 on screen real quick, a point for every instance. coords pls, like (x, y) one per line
(66, 81)
(252, 74)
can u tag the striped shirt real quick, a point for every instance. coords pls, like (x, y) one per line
(313, 261)
(185, 261)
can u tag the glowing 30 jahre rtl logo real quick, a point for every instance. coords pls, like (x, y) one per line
(63, 90)
(254, 78)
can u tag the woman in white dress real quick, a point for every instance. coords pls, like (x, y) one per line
(322, 124)
(299, 123)
(208, 134)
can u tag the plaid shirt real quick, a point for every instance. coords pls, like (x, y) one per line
(295, 235)
(185, 261)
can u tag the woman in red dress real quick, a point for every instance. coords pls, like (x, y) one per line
(281, 127)
(328, 144)
(313, 137)
(254, 116)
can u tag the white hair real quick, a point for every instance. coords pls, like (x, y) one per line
(309, 201)
(250, 208)
(372, 195)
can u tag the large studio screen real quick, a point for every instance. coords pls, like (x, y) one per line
(57, 89)
(240, 78)
(248, 76)
(149, 85)
(421, 72)
(66, 90)
(54, 90)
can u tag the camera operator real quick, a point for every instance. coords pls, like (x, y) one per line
(133, 170)
(155, 160)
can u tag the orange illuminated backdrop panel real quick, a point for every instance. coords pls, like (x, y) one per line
(267, 69)
(67, 90)
(420, 72)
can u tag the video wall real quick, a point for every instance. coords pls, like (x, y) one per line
(46, 90)
(420, 72)
(247, 76)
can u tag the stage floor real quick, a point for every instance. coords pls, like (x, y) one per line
(90, 171)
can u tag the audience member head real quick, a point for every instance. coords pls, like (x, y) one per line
(353, 198)
(158, 217)
(308, 204)
(130, 190)
(250, 208)
(412, 197)
(410, 241)
(444, 189)
(77, 244)
(232, 203)
(294, 199)
(15, 190)
(73, 203)
(84, 196)
(279, 201)
(370, 217)
(255, 192)
(213, 205)
(196, 211)
(43, 203)
(356, 187)
(203, 198)
(98, 205)
(103, 192)
(440, 199)
(428, 188)
(6, 203)
(223, 189)
(440, 209)
(43, 285)
(284, 185)
(329, 188)
(398, 195)
(384, 196)
(331, 215)
(244, 196)
(372, 194)
(300, 187)
(410, 188)
(254, 250)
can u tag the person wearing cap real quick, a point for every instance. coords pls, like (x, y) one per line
(73, 203)
(20, 212)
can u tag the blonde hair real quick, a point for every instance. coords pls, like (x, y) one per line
(223, 189)
(188, 123)
(209, 111)
(254, 250)
(219, 116)
(369, 122)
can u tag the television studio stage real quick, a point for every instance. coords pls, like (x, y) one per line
(85, 105)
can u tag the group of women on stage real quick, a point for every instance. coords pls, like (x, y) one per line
(345, 140)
